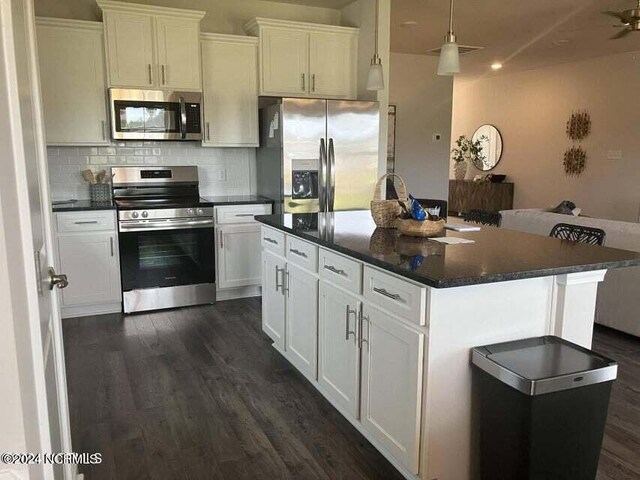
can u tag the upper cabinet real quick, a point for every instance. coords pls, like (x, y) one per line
(152, 47)
(230, 88)
(71, 61)
(306, 60)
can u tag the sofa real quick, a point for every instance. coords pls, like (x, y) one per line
(618, 304)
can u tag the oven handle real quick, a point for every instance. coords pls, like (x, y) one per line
(183, 118)
(150, 225)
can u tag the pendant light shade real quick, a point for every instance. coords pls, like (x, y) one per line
(375, 78)
(449, 63)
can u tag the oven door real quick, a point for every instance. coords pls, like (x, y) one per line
(167, 257)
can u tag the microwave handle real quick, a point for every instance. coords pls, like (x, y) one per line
(183, 118)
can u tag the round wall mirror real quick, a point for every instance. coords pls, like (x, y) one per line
(491, 142)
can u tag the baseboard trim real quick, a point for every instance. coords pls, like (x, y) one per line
(238, 292)
(87, 310)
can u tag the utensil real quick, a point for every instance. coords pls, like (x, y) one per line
(100, 177)
(88, 176)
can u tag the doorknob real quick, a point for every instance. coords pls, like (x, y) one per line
(56, 280)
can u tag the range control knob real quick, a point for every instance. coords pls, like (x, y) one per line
(200, 211)
(135, 215)
(190, 211)
(145, 214)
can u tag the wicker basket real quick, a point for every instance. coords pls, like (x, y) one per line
(426, 228)
(385, 213)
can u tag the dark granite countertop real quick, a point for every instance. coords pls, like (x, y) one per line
(237, 199)
(83, 205)
(496, 255)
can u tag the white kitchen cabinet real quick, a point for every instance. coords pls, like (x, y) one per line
(338, 352)
(152, 47)
(87, 250)
(71, 61)
(392, 359)
(238, 255)
(230, 89)
(306, 60)
(273, 298)
(302, 320)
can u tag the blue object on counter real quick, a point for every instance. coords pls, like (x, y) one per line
(417, 212)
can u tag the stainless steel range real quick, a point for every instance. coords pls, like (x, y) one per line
(165, 237)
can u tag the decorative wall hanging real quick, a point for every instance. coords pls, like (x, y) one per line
(579, 125)
(575, 161)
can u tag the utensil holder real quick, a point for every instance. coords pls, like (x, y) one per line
(100, 192)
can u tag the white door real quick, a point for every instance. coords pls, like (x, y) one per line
(273, 300)
(28, 232)
(230, 87)
(392, 365)
(302, 320)
(178, 45)
(338, 353)
(332, 61)
(129, 42)
(284, 62)
(91, 266)
(238, 255)
(71, 59)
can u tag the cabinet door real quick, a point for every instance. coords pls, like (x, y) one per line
(302, 320)
(73, 88)
(338, 353)
(90, 262)
(238, 255)
(230, 86)
(284, 62)
(332, 61)
(178, 45)
(273, 300)
(392, 362)
(129, 40)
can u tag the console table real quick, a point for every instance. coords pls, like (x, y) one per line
(465, 195)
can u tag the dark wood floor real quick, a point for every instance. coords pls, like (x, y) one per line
(199, 394)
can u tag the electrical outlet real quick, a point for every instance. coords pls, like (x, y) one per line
(614, 155)
(222, 175)
(437, 137)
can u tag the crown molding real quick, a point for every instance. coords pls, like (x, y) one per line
(69, 23)
(252, 27)
(110, 5)
(223, 37)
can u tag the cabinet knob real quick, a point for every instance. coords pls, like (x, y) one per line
(145, 214)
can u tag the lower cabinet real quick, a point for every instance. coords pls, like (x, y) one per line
(273, 299)
(302, 320)
(338, 352)
(392, 376)
(238, 255)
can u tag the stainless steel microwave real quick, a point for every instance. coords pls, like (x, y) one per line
(155, 115)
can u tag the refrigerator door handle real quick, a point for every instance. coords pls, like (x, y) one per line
(331, 184)
(322, 190)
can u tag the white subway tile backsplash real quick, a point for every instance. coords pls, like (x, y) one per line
(237, 164)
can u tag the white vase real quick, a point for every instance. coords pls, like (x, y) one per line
(460, 170)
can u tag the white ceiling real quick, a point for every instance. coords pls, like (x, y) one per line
(518, 33)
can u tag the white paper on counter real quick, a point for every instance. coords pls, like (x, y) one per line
(452, 240)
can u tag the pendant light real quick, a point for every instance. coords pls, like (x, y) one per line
(375, 79)
(449, 63)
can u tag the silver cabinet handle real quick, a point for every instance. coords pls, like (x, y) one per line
(208, 132)
(298, 252)
(221, 239)
(150, 74)
(362, 317)
(348, 332)
(164, 75)
(285, 281)
(89, 222)
(313, 82)
(279, 285)
(304, 86)
(382, 291)
(270, 240)
(245, 214)
(111, 244)
(57, 280)
(333, 269)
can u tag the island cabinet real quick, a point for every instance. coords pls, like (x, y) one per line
(336, 320)
(152, 47)
(306, 60)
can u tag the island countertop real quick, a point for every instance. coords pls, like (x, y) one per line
(496, 255)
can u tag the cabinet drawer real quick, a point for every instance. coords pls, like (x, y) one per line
(90, 221)
(301, 253)
(340, 270)
(397, 296)
(240, 213)
(273, 240)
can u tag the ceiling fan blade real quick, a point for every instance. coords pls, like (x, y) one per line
(621, 34)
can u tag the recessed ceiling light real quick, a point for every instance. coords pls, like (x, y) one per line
(496, 66)
(409, 23)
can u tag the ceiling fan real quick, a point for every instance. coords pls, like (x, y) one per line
(630, 20)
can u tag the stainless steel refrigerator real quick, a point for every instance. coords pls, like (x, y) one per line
(317, 155)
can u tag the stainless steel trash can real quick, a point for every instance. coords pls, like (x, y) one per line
(543, 406)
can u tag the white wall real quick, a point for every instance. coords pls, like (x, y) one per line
(531, 110)
(224, 16)
(424, 103)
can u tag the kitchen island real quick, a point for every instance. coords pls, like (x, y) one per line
(382, 324)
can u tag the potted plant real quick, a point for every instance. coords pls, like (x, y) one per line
(466, 150)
